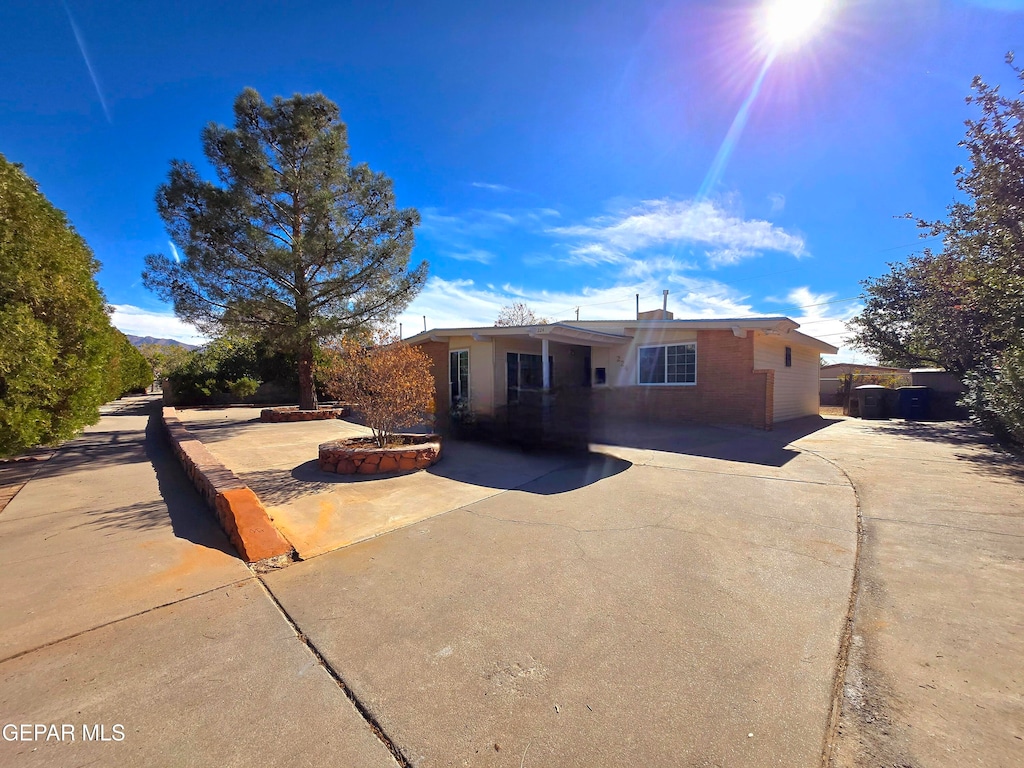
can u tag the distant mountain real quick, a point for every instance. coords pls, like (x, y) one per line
(138, 341)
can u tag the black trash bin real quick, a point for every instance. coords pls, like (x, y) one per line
(914, 402)
(872, 401)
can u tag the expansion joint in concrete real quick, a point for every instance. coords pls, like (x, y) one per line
(846, 639)
(360, 707)
(27, 651)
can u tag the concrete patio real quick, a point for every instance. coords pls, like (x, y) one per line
(319, 511)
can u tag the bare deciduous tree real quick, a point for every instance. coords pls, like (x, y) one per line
(516, 314)
(390, 383)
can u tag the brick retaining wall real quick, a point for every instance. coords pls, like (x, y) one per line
(240, 512)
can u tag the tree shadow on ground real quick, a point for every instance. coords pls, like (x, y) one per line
(179, 502)
(215, 431)
(977, 448)
(547, 472)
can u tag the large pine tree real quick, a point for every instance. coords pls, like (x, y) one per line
(293, 244)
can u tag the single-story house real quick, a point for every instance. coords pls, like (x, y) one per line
(756, 371)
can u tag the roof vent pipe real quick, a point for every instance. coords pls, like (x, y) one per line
(664, 304)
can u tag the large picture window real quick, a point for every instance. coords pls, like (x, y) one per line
(458, 375)
(524, 372)
(669, 364)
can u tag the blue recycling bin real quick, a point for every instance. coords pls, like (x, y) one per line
(913, 403)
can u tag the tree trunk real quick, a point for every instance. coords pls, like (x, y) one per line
(307, 389)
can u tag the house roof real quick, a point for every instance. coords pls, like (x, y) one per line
(597, 332)
(559, 332)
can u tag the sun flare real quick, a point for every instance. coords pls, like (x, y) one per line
(788, 23)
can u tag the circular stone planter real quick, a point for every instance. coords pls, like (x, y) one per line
(292, 413)
(361, 456)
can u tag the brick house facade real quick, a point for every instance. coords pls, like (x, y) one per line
(748, 371)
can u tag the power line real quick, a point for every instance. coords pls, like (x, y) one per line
(827, 320)
(823, 303)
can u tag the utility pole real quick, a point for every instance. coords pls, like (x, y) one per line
(577, 313)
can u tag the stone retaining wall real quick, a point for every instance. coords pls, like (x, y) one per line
(289, 413)
(239, 510)
(360, 456)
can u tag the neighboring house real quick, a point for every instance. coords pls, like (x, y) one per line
(755, 371)
(831, 378)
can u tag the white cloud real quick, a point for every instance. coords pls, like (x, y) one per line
(491, 187)
(174, 252)
(777, 200)
(646, 269)
(824, 316)
(463, 304)
(477, 254)
(479, 223)
(161, 325)
(469, 236)
(724, 257)
(619, 237)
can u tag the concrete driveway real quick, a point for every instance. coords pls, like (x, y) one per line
(937, 660)
(674, 597)
(633, 606)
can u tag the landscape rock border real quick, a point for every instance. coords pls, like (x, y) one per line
(288, 413)
(360, 456)
(240, 512)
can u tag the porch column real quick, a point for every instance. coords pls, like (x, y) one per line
(545, 365)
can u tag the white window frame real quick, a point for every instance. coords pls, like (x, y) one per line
(667, 383)
(469, 376)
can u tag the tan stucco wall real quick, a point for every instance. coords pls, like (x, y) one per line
(600, 357)
(481, 372)
(796, 387)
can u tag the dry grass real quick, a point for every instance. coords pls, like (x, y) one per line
(830, 410)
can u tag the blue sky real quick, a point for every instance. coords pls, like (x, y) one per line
(562, 154)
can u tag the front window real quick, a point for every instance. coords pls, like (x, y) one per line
(458, 375)
(525, 372)
(669, 364)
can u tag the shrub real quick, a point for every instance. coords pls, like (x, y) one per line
(243, 387)
(127, 370)
(56, 340)
(996, 399)
(390, 383)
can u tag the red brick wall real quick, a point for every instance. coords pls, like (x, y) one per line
(728, 389)
(437, 351)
